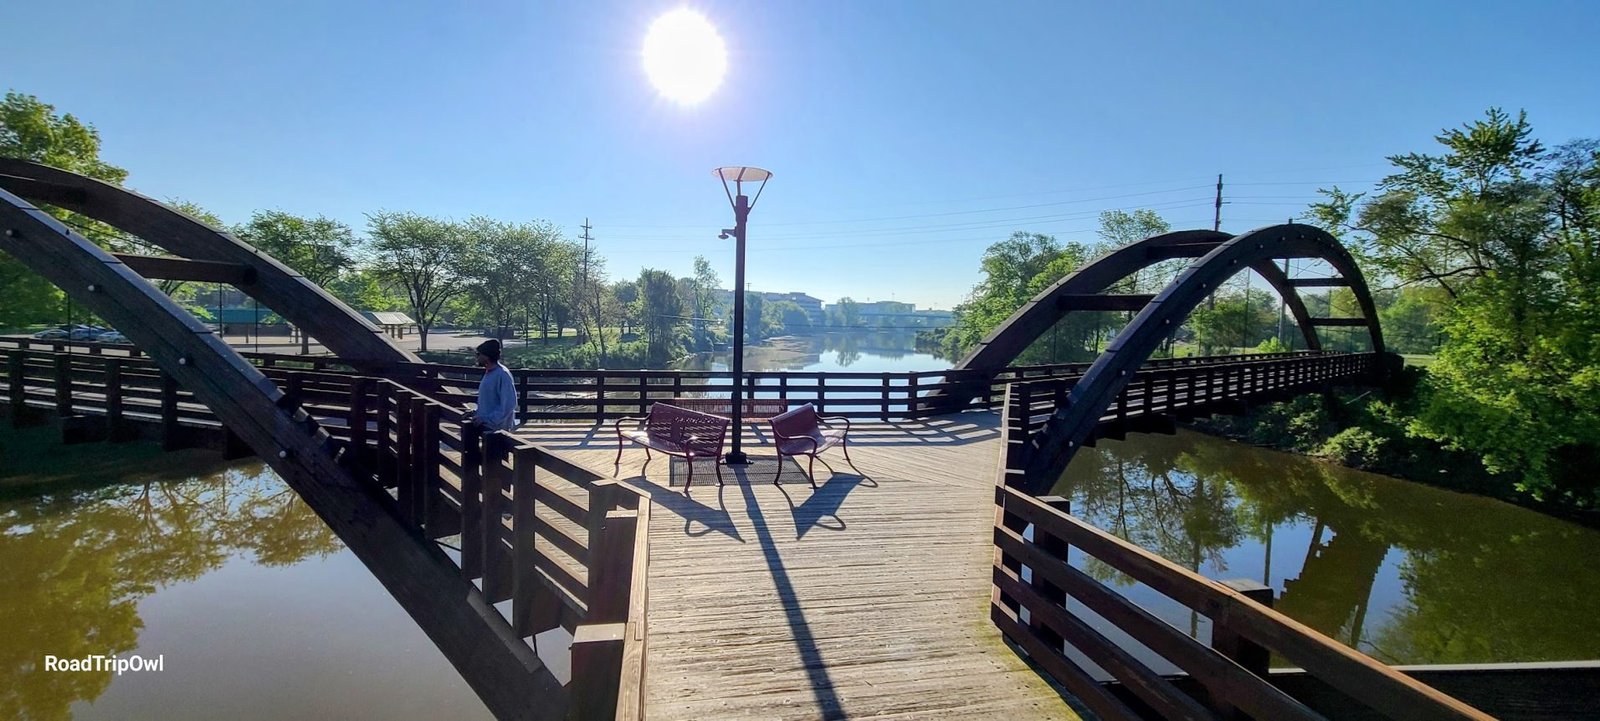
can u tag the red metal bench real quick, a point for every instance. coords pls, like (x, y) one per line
(801, 432)
(676, 431)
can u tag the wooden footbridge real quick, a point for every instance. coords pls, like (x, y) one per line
(934, 585)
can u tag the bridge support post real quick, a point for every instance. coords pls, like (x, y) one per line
(17, 389)
(1056, 547)
(1228, 641)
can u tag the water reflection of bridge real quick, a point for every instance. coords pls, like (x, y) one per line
(380, 453)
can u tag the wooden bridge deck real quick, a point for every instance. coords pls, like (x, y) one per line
(866, 598)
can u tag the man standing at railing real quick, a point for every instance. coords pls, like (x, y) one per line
(497, 399)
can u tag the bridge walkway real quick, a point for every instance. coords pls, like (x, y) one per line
(865, 598)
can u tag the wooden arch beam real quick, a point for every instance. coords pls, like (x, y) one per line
(477, 640)
(1049, 450)
(275, 285)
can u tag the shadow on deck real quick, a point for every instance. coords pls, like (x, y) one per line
(865, 597)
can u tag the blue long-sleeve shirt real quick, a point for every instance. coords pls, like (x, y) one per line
(497, 399)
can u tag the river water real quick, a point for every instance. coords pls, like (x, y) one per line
(259, 612)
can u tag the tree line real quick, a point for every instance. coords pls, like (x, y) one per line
(1483, 257)
(503, 276)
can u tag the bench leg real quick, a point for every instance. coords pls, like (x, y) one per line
(844, 445)
(718, 466)
(620, 444)
(777, 478)
(811, 470)
(689, 461)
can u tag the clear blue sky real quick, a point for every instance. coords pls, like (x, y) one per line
(904, 136)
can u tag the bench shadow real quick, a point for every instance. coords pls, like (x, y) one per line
(824, 503)
(690, 510)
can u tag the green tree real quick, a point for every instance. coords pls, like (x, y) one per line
(790, 316)
(660, 313)
(1236, 320)
(755, 317)
(707, 300)
(422, 257)
(846, 312)
(319, 249)
(33, 130)
(503, 265)
(1506, 230)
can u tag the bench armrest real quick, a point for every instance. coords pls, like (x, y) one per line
(829, 419)
(618, 424)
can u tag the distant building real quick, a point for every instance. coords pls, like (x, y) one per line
(812, 306)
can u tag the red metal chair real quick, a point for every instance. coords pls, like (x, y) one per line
(801, 432)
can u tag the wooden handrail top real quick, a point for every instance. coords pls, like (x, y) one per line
(1357, 675)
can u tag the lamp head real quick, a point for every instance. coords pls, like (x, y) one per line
(725, 234)
(739, 175)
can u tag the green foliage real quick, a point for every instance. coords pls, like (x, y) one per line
(1356, 447)
(1236, 320)
(423, 257)
(790, 316)
(1272, 345)
(33, 130)
(1502, 238)
(320, 248)
(504, 265)
(845, 313)
(661, 311)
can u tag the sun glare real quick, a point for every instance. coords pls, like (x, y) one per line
(684, 56)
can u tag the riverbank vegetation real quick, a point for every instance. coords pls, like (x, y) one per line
(1484, 258)
(508, 278)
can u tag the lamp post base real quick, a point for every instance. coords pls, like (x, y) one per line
(736, 458)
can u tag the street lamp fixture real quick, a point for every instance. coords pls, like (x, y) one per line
(738, 175)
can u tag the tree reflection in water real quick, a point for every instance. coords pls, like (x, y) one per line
(1402, 571)
(76, 565)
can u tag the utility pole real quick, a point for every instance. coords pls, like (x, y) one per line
(1216, 219)
(1216, 225)
(583, 281)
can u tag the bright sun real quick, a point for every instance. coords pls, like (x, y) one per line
(684, 56)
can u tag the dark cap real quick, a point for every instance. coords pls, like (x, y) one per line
(490, 348)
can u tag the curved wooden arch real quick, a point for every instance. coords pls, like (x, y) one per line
(213, 252)
(1084, 290)
(1050, 449)
(499, 666)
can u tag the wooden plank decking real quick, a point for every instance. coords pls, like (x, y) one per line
(867, 598)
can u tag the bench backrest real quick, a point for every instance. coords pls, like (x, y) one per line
(693, 429)
(801, 421)
(754, 408)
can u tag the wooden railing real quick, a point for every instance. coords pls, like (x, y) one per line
(598, 395)
(565, 545)
(1183, 392)
(1034, 581)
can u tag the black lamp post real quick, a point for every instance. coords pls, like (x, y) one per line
(739, 175)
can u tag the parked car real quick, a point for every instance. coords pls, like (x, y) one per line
(51, 334)
(83, 332)
(111, 336)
